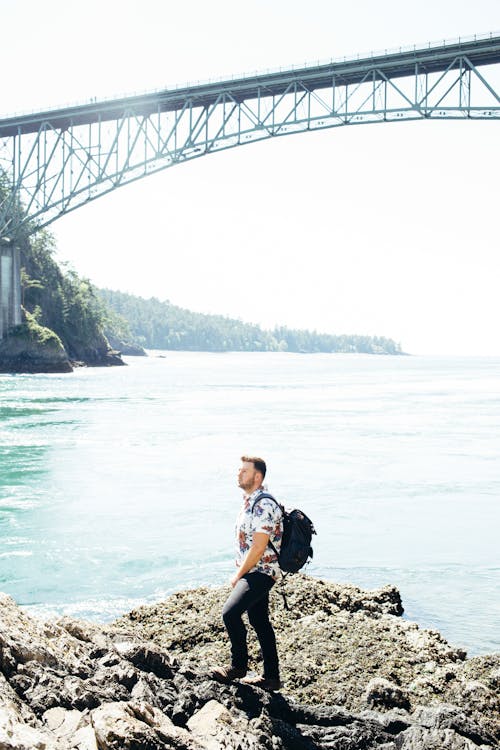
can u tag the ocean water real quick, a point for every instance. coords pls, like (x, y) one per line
(118, 486)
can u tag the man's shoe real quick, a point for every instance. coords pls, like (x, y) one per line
(227, 674)
(265, 683)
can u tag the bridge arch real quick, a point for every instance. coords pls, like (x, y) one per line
(55, 161)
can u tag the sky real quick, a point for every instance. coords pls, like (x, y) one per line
(387, 230)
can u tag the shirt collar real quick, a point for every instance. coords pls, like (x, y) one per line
(255, 493)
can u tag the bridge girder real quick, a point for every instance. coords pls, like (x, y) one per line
(54, 162)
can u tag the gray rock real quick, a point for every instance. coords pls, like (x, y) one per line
(69, 685)
(30, 347)
(419, 738)
(127, 348)
(383, 694)
(131, 726)
(72, 728)
(216, 726)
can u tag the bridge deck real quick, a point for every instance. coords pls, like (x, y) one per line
(484, 51)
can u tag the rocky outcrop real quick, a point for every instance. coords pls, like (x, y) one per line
(338, 646)
(30, 347)
(127, 348)
(144, 682)
(94, 352)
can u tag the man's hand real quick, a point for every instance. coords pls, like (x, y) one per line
(252, 557)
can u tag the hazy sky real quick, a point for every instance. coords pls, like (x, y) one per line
(388, 229)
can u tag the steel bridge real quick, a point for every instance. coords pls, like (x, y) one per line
(55, 161)
(58, 160)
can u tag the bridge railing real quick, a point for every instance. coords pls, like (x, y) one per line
(372, 54)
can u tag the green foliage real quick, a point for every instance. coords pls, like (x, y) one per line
(40, 333)
(28, 283)
(62, 301)
(32, 331)
(161, 325)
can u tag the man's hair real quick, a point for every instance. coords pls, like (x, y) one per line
(258, 463)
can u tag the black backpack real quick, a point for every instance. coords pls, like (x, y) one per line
(295, 547)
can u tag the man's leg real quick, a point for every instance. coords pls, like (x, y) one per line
(247, 592)
(258, 616)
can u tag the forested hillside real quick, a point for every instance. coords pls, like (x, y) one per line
(55, 300)
(161, 325)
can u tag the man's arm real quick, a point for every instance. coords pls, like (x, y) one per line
(252, 557)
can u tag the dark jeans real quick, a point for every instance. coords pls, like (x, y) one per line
(251, 594)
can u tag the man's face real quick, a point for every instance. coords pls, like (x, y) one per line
(248, 477)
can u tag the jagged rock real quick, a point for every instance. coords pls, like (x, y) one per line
(30, 347)
(72, 728)
(69, 685)
(127, 348)
(23, 640)
(147, 658)
(131, 726)
(15, 735)
(18, 724)
(215, 726)
(383, 695)
(447, 717)
(334, 641)
(417, 738)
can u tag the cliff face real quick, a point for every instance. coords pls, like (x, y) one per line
(365, 677)
(63, 319)
(128, 348)
(33, 348)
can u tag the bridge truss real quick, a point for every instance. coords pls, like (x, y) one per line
(55, 161)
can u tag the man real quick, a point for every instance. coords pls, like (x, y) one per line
(259, 522)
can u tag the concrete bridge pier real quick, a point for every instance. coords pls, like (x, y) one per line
(10, 287)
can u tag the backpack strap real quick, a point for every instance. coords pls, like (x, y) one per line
(267, 496)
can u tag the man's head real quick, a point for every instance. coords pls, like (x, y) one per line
(251, 474)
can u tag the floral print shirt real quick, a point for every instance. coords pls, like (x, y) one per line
(267, 519)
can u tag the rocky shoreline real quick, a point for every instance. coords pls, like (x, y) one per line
(356, 675)
(32, 348)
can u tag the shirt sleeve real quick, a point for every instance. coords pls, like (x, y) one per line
(266, 517)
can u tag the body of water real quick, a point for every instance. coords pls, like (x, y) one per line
(118, 486)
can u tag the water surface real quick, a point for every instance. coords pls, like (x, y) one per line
(118, 486)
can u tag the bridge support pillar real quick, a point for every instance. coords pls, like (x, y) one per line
(10, 287)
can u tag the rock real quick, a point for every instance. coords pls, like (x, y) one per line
(447, 717)
(16, 735)
(215, 726)
(30, 347)
(24, 641)
(18, 724)
(131, 726)
(417, 738)
(70, 685)
(127, 348)
(333, 642)
(384, 695)
(147, 658)
(72, 728)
